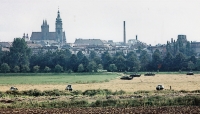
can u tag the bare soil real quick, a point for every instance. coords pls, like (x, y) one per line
(108, 110)
(176, 81)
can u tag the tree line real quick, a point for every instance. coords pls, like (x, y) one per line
(20, 59)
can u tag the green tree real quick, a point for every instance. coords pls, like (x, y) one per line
(80, 55)
(16, 69)
(193, 59)
(120, 53)
(132, 62)
(5, 68)
(47, 69)
(106, 60)
(112, 68)
(25, 68)
(168, 62)
(188, 49)
(198, 64)
(2, 55)
(80, 68)
(36, 68)
(139, 49)
(68, 53)
(191, 65)
(92, 66)
(85, 63)
(120, 63)
(156, 60)
(144, 60)
(100, 67)
(97, 60)
(179, 62)
(58, 68)
(73, 63)
(92, 55)
(19, 53)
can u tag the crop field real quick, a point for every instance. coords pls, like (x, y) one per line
(51, 81)
(99, 93)
(109, 81)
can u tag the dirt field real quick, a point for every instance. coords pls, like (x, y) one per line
(176, 81)
(132, 110)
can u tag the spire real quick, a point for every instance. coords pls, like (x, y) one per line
(58, 13)
(58, 16)
(45, 22)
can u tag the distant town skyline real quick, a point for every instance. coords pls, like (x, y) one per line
(153, 21)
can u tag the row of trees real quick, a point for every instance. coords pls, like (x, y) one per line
(20, 59)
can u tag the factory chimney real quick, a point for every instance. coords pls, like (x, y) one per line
(124, 33)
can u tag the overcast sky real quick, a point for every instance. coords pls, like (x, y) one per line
(154, 21)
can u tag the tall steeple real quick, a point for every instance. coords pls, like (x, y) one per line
(59, 29)
(45, 30)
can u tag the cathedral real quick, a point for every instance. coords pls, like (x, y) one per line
(49, 38)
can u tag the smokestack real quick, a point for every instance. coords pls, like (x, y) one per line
(136, 37)
(124, 33)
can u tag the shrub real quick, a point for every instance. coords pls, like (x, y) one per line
(69, 71)
(184, 91)
(101, 103)
(34, 92)
(47, 69)
(25, 68)
(195, 91)
(36, 68)
(141, 91)
(5, 68)
(54, 92)
(13, 92)
(1, 94)
(97, 92)
(16, 69)
(77, 92)
(58, 68)
(121, 92)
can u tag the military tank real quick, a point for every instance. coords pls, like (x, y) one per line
(149, 74)
(126, 78)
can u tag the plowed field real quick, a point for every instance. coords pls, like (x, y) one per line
(132, 110)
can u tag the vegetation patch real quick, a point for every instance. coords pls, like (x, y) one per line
(93, 98)
(52, 78)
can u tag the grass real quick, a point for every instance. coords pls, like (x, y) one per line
(160, 72)
(51, 78)
(153, 100)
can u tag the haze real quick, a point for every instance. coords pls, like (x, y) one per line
(154, 21)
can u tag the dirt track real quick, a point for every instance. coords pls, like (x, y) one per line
(177, 82)
(149, 110)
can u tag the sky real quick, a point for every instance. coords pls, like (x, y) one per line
(153, 21)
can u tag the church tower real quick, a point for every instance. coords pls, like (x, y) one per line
(45, 30)
(59, 29)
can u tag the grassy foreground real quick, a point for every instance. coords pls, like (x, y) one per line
(51, 78)
(97, 98)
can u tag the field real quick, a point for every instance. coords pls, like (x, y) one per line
(133, 110)
(109, 81)
(107, 93)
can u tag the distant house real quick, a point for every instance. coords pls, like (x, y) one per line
(5, 46)
(196, 47)
(85, 42)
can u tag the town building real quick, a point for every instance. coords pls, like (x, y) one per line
(57, 38)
